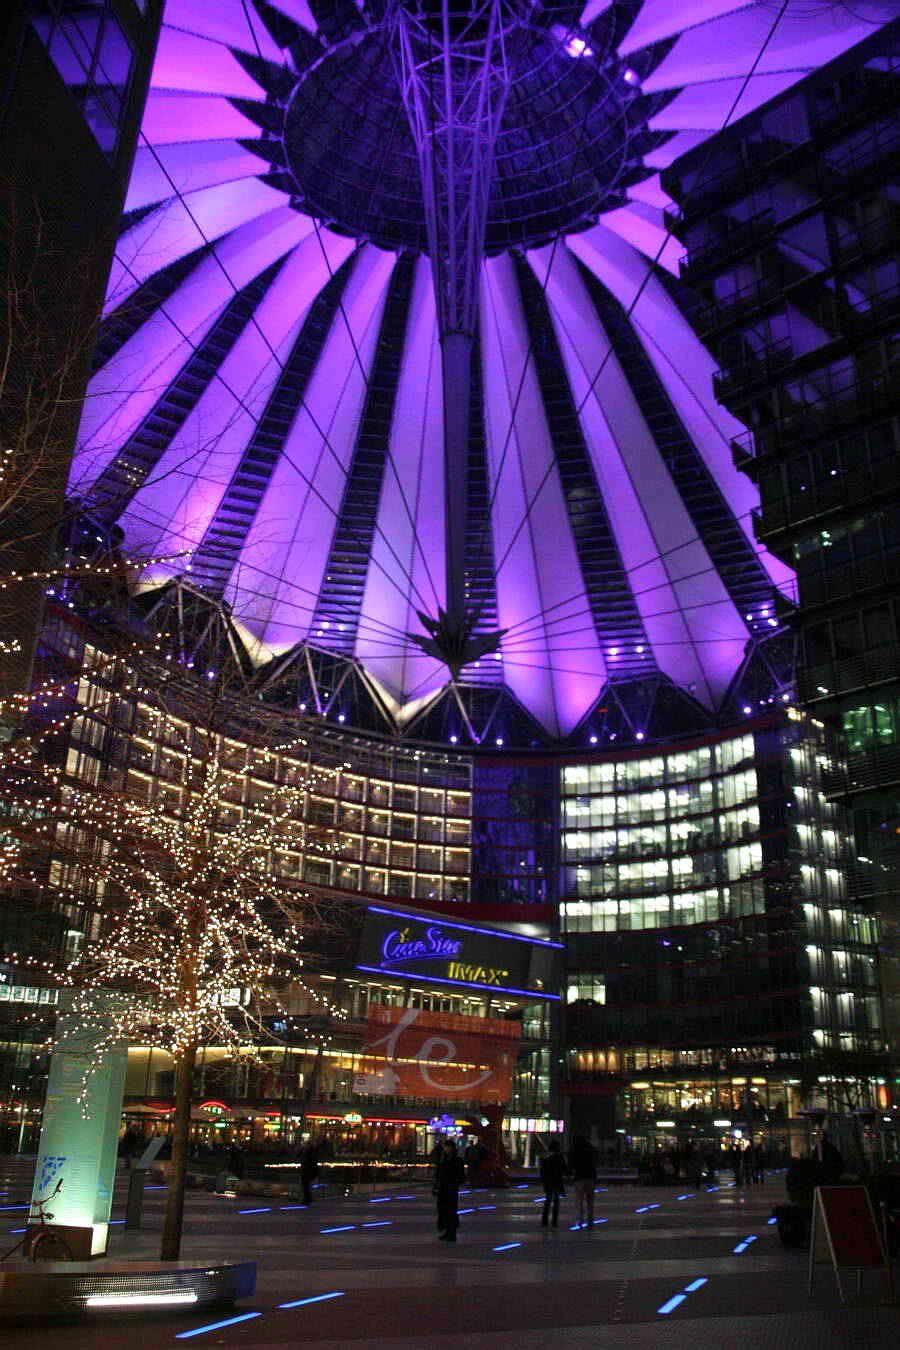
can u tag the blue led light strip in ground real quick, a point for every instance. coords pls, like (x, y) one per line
(465, 1211)
(314, 1298)
(216, 1326)
(5, 1208)
(772, 1220)
(344, 1228)
(466, 984)
(267, 1209)
(283, 1207)
(383, 1199)
(379, 1223)
(507, 1247)
(464, 927)
(677, 1299)
(742, 1246)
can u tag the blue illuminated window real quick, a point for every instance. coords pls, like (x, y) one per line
(90, 51)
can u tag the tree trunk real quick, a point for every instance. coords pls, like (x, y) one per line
(172, 1225)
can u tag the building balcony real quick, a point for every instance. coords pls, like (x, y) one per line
(837, 585)
(836, 493)
(838, 170)
(766, 366)
(871, 771)
(752, 159)
(734, 237)
(733, 308)
(841, 405)
(873, 237)
(879, 666)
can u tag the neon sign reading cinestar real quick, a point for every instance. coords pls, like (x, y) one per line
(413, 946)
(399, 946)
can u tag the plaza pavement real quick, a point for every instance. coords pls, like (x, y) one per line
(506, 1283)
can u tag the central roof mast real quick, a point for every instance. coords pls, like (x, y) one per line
(453, 68)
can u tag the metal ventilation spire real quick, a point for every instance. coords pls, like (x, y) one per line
(453, 67)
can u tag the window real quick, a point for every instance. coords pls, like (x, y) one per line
(589, 987)
(92, 54)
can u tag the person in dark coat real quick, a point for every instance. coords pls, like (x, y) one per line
(309, 1170)
(553, 1176)
(583, 1168)
(236, 1161)
(448, 1176)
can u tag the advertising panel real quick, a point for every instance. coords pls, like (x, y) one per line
(437, 1056)
(416, 947)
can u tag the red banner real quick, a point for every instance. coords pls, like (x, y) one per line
(438, 1056)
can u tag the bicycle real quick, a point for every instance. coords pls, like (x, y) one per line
(43, 1244)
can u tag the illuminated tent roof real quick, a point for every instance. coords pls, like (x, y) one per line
(268, 394)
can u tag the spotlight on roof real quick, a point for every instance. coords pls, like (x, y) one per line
(499, 740)
(593, 740)
(577, 46)
(639, 736)
(631, 76)
(453, 740)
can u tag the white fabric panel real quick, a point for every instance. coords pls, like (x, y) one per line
(592, 9)
(163, 171)
(662, 19)
(173, 118)
(289, 542)
(179, 226)
(679, 144)
(226, 21)
(697, 636)
(803, 39)
(193, 64)
(176, 505)
(417, 545)
(686, 369)
(643, 227)
(650, 192)
(124, 390)
(704, 107)
(535, 577)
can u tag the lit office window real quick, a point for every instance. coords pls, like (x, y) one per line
(94, 57)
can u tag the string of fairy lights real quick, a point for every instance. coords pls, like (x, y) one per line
(185, 909)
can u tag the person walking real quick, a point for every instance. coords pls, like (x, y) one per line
(448, 1176)
(309, 1170)
(553, 1176)
(583, 1168)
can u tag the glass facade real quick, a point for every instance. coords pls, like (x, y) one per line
(392, 822)
(92, 54)
(712, 941)
(647, 843)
